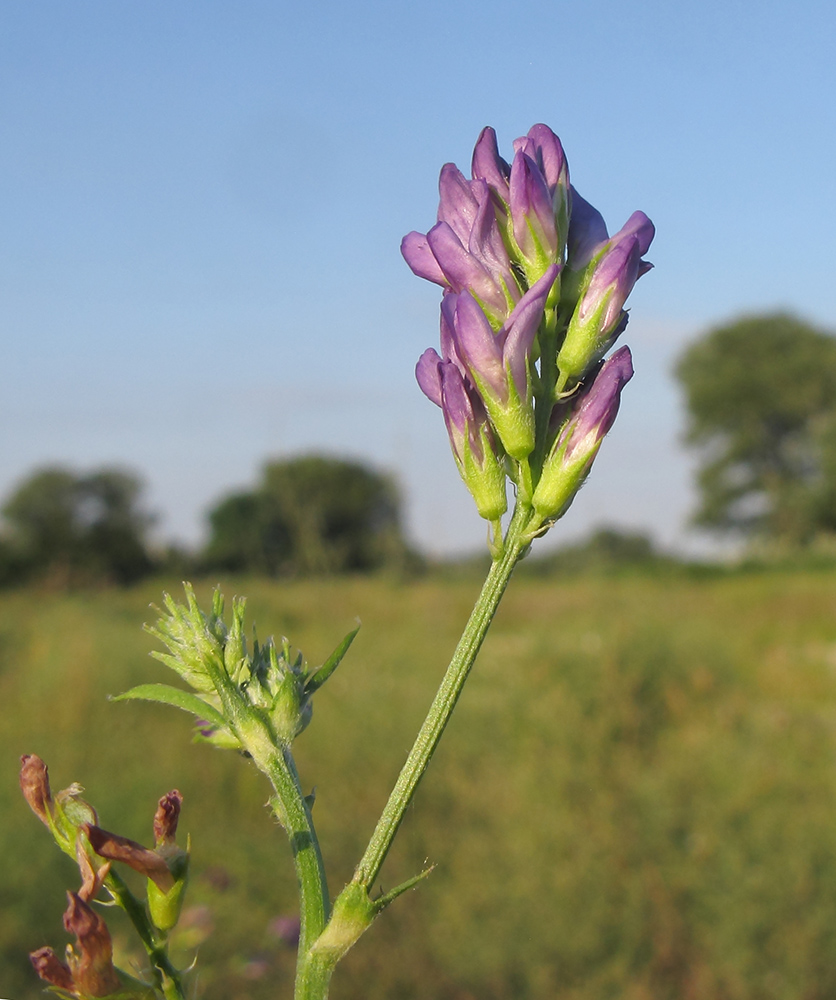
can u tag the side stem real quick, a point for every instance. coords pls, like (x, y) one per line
(294, 813)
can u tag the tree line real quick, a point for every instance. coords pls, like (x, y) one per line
(760, 396)
(308, 515)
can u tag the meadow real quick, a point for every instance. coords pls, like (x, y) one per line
(636, 798)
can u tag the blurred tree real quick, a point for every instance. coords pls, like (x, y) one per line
(761, 397)
(309, 515)
(73, 528)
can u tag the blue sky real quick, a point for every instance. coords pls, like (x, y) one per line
(199, 263)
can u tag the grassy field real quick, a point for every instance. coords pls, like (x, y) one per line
(635, 800)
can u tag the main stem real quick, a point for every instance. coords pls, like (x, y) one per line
(444, 703)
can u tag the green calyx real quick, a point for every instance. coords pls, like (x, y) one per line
(485, 478)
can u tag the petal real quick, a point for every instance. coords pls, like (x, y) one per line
(488, 165)
(416, 252)
(478, 347)
(457, 205)
(522, 326)
(532, 208)
(587, 230)
(599, 405)
(463, 270)
(546, 150)
(428, 375)
(641, 227)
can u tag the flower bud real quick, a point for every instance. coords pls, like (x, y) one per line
(539, 200)
(499, 364)
(599, 316)
(166, 818)
(474, 449)
(578, 441)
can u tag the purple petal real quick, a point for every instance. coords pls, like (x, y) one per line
(599, 406)
(416, 252)
(463, 270)
(522, 326)
(641, 227)
(488, 165)
(428, 375)
(457, 204)
(546, 150)
(449, 351)
(587, 230)
(486, 241)
(532, 208)
(478, 347)
(464, 413)
(615, 275)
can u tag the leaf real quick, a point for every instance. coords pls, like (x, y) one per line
(167, 695)
(331, 664)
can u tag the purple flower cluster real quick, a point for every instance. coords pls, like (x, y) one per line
(533, 297)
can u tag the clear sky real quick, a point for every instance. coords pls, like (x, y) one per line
(203, 203)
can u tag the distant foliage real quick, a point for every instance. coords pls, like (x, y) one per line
(69, 528)
(606, 550)
(761, 398)
(311, 515)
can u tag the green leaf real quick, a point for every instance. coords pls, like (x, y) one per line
(167, 695)
(331, 664)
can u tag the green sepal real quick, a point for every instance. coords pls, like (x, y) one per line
(317, 679)
(165, 907)
(485, 480)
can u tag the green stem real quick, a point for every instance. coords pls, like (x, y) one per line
(443, 704)
(167, 978)
(295, 815)
(273, 757)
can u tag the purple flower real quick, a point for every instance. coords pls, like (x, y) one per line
(578, 441)
(499, 364)
(489, 166)
(465, 250)
(612, 271)
(595, 414)
(471, 439)
(587, 232)
(544, 147)
(539, 199)
(532, 213)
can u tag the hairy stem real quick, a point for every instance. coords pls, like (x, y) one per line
(443, 704)
(294, 813)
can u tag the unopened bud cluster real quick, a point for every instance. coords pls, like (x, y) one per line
(243, 696)
(533, 298)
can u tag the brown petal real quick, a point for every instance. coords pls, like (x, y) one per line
(141, 859)
(52, 970)
(34, 783)
(91, 961)
(166, 817)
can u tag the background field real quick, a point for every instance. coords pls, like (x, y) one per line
(636, 799)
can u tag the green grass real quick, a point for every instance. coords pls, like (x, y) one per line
(636, 798)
